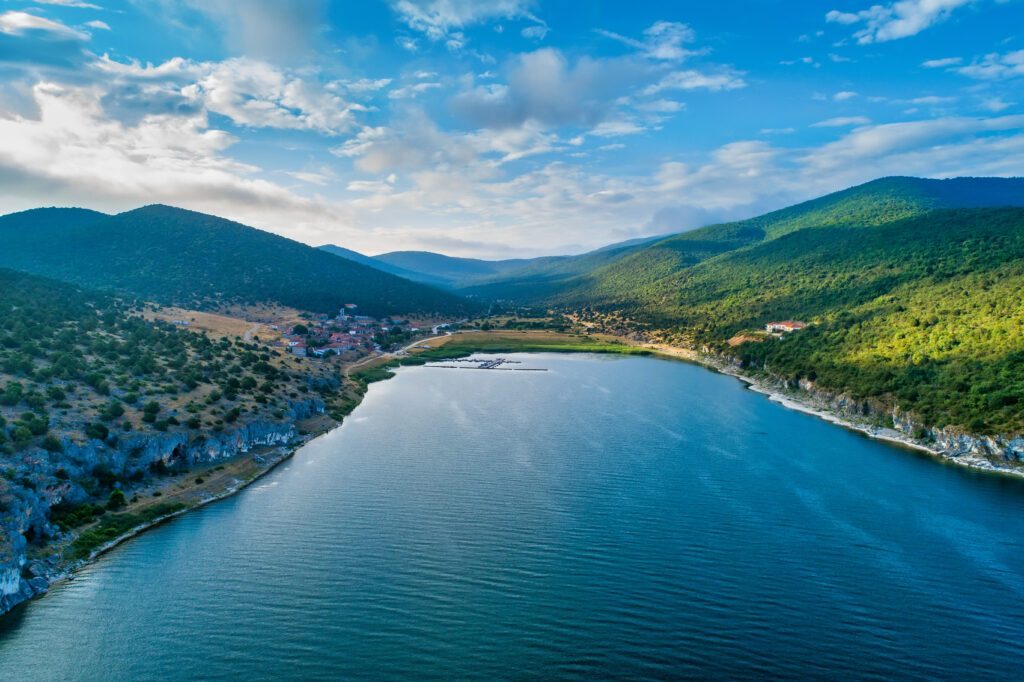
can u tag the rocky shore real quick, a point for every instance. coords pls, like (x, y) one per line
(40, 480)
(1000, 453)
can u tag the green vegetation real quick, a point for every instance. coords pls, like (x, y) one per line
(180, 257)
(112, 526)
(462, 345)
(79, 365)
(912, 288)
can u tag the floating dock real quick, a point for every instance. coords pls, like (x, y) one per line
(496, 363)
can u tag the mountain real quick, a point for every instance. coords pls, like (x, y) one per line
(912, 289)
(372, 262)
(485, 278)
(172, 255)
(542, 279)
(451, 270)
(633, 276)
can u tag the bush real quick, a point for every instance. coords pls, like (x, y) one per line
(117, 500)
(96, 431)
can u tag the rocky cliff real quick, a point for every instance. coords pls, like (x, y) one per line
(999, 451)
(35, 480)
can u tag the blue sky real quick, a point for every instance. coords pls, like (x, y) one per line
(497, 128)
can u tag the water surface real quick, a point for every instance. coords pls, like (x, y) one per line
(626, 517)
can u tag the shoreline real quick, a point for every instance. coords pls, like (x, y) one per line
(885, 435)
(285, 453)
(891, 436)
(787, 400)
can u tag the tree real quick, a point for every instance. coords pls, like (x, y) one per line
(96, 431)
(117, 500)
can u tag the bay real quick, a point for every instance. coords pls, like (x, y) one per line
(609, 517)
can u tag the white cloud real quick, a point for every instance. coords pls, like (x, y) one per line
(39, 42)
(260, 95)
(75, 148)
(896, 20)
(21, 23)
(544, 87)
(97, 24)
(265, 29)
(996, 104)
(661, 106)
(692, 79)
(406, 43)
(411, 91)
(663, 40)
(996, 66)
(616, 128)
(932, 100)
(941, 139)
(444, 20)
(311, 177)
(535, 32)
(941, 63)
(842, 121)
(68, 3)
(844, 95)
(366, 85)
(370, 186)
(250, 92)
(838, 17)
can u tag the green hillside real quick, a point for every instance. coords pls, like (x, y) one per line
(77, 364)
(909, 303)
(372, 262)
(542, 278)
(630, 276)
(186, 258)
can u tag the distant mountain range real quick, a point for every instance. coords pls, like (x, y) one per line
(474, 276)
(171, 255)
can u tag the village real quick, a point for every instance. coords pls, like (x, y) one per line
(348, 334)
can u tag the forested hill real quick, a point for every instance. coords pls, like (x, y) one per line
(909, 301)
(171, 255)
(372, 262)
(633, 275)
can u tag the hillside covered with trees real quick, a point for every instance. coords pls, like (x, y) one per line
(912, 289)
(180, 257)
(99, 404)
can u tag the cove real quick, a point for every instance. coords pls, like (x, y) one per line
(610, 517)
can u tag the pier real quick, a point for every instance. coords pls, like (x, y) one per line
(496, 363)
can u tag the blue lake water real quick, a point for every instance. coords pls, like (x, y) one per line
(611, 517)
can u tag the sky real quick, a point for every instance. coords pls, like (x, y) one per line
(497, 128)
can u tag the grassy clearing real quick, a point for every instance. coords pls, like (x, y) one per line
(460, 345)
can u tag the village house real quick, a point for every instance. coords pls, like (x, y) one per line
(784, 327)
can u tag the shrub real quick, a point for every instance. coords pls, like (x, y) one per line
(116, 500)
(96, 431)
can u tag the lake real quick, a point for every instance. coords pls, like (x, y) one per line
(610, 517)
